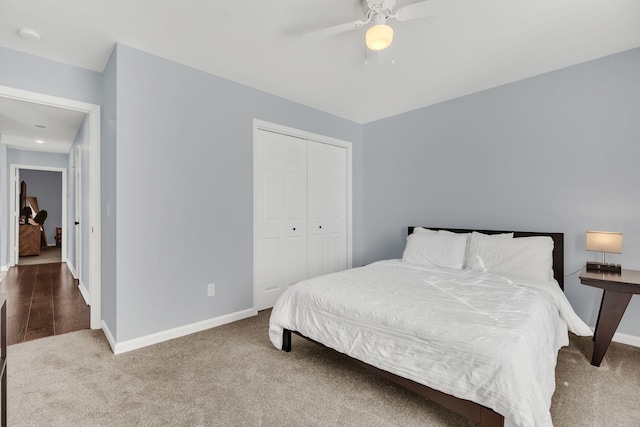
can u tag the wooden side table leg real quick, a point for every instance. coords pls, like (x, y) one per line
(611, 310)
(595, 331)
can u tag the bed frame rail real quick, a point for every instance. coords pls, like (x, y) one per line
(477, 413)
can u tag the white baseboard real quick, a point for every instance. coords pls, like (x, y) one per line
(626, 339)
(137, 343)
(83, 290)
(3, 269)
(73, 270)
(108, 335)
(158, 337)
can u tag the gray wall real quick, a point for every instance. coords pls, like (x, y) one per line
(557, 152)
(108, 196)
(27, 72)
(184, 142)
(36, 158)
(46, 186)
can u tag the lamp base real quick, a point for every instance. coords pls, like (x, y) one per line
(605, 268)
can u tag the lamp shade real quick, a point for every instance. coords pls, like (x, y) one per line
(379, 37)
(604, 241)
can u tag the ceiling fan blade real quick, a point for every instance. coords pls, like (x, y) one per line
(423, 9)
(336, 29)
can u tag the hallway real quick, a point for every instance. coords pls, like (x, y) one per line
(42, 300)
(48, 255)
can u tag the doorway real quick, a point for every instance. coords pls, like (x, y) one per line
(43, 196)
(92, 250)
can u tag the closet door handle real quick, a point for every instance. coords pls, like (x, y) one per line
(320, 226)
(294, 229)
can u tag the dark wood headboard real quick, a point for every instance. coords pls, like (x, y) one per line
(558, 245)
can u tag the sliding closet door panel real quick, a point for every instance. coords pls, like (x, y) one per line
(295, 163)
(281, 211)
(268, 199)
(327, 201)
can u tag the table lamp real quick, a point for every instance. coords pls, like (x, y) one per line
(604, 241)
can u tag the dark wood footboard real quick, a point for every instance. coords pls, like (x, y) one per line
(475, 412)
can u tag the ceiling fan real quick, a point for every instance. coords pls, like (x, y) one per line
(380, 35)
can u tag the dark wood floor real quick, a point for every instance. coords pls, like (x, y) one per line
(42, 300)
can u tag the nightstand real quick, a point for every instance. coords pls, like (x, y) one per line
(618, 290)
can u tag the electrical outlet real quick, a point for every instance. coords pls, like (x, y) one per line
(211, 289)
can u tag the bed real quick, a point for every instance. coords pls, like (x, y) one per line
(472, 320)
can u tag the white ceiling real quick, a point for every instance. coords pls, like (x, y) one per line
(468, 46)
(23, 123)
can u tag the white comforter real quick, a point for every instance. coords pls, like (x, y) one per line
(489, 339)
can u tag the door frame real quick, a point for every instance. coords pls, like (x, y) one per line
(77, 212)
(261, 125)
(15, 201)
(95, 220)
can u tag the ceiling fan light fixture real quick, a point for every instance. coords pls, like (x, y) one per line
(379, 37)
(29, 34)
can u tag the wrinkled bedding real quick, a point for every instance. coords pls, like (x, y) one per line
(478, 336)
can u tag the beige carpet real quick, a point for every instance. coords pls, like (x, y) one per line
(232, 376)
(47, 255)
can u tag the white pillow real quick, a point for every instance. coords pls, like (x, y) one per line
(529, 257)
(435, 249)
(472, 244)
(417, 230)
(466, 251)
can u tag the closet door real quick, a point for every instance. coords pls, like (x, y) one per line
(281, 215)
(327, 208)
